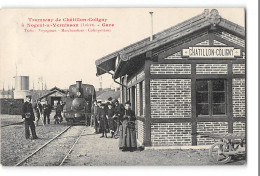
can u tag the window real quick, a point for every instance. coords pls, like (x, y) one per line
(133, 97)
(211, 97)
(141, 98)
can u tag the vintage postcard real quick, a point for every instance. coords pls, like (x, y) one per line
(123, 87)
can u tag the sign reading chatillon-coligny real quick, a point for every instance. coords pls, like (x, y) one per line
(211, 52)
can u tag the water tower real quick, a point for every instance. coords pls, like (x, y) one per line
(21, 87)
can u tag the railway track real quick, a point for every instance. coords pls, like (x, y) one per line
(17, 123)
(65, 159)
(40, 148)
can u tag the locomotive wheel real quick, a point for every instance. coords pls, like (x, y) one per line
(70, 122)
(217, 153)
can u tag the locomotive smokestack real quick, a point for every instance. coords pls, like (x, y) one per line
(79, 85)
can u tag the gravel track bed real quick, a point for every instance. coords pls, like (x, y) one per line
(91, 150)
(54, 152)
(14, 146)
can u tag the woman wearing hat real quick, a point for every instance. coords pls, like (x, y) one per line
(127, 139)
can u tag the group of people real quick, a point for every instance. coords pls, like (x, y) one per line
(40, 110)
(111, 117)
(32, 112)
(117, 119)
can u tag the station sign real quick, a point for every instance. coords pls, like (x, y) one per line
(211, 52)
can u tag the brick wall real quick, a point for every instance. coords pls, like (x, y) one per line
(210, 127)
(239, 127)
(231, 38)
(206, 42)
(211, 68)
(170, 98)
(171, 134)
(238, 68)
(175, 56)
(170, 69)
(140, 131)
(238, 97)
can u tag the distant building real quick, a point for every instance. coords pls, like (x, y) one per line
(53, 96)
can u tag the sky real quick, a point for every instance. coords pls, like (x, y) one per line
(62, 58)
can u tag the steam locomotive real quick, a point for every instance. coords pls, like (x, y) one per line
(78, 102)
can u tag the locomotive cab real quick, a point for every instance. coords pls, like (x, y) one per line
(78, 103)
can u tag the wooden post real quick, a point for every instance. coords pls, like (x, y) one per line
(229, 99)
(193, 105)
(147, 140)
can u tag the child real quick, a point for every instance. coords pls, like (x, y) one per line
(102, 120)
(110, 118)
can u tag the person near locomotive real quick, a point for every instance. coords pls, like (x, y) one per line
(38, 110)
(110, 119)
(119, 112)
(94, 112)
(102, 120)
(127, 139)
(29, 118)
(46, 112)
(59, 110)
(88, 113)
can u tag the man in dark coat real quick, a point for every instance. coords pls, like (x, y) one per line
(127, 139)
(97, 123)
(94, 112)
(110, 119)
(103, 120)
(119, 112)
(38, 110)
(59, 110)
(29, 118)
(46, 112)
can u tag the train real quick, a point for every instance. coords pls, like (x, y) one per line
(78, 103)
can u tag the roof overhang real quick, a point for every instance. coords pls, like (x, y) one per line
(52, 92)
(120, 61)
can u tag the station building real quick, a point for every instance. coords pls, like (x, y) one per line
(189, 79)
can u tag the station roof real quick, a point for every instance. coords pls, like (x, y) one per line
(115, 61)
(53, 91)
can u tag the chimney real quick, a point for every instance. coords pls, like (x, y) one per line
(151, 37)
(78, 84)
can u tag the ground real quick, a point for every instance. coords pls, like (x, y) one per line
(15, 147)
(90, 150)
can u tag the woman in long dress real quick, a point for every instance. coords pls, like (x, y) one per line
(127, 139)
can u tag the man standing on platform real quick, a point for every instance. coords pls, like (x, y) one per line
(119, 112)
(94, 112)
(29, 118)
(59, 110)
(46, 112)
(38, 110)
